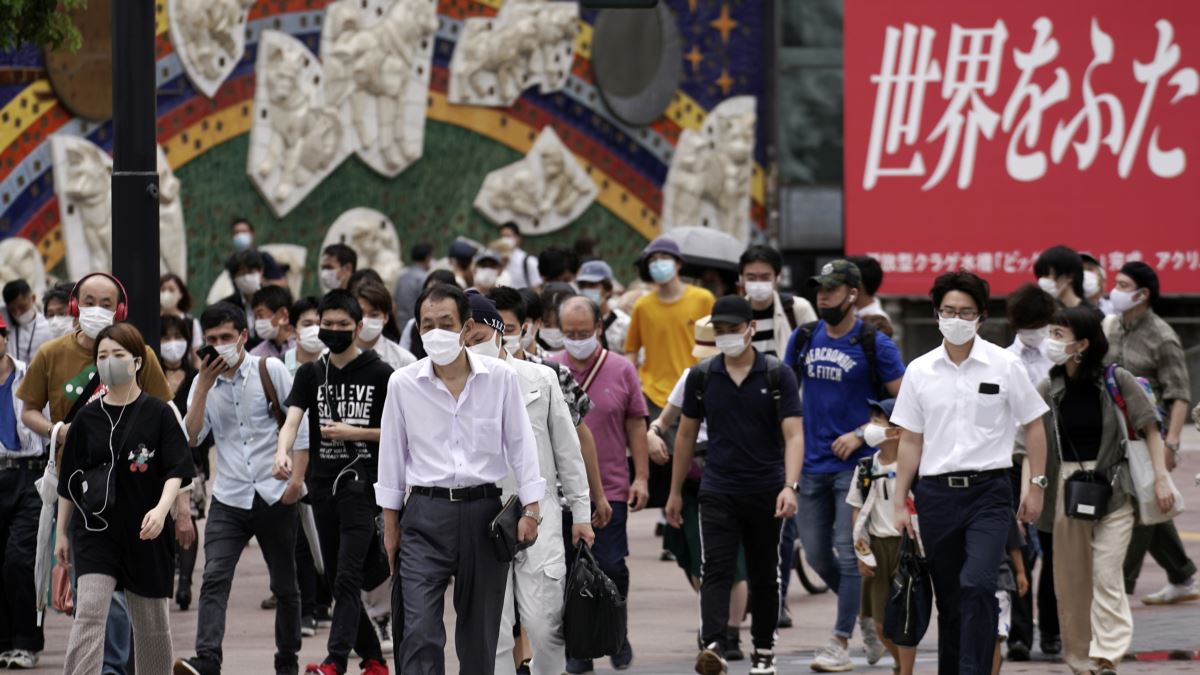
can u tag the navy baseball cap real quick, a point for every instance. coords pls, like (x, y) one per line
(732, 309)
(885, 406)
(483, 310)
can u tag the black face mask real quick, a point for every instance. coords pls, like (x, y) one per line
(338, 341)
(832, 316)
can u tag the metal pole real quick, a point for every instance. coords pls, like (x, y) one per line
(135, 238)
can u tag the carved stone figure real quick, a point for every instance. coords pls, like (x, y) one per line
(378, 56)
(210, 38)
(528, 43)
(543, 192)
(172, 238)
(708, 184)
(296, 139)
(20, 259)
(373, 236)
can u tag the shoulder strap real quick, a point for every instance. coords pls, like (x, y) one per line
(88, 390)
(804, 336)
(774, 379)
(591, 375)
(866, 337)
(1114, 392)
(788, 301)
(272, 396)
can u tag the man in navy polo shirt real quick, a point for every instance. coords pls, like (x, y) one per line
(751, 404)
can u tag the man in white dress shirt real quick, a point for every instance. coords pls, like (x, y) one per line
(454, 425)
(958, 408)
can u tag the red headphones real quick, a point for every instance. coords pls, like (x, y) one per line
(122, 299)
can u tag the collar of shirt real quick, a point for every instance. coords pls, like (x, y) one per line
(760, 363)
(978, 354)
(245, 436)
(475, 365)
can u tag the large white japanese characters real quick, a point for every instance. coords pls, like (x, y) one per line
(541, 193)
(529, 43)
(708, 184)
(377, 60)
(210, 38)
(373, 237)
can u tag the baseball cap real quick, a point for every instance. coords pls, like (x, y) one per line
(488, 254)
(837, 273)
(483, 310)
(706, 339)
(885, 406)
(663, 245)
(593, 272)
(732, 309)
(461, 249)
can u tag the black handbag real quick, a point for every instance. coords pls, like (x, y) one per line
(503, 531)
(98, 484)
(910, 606)
(1086, 495)
(595, 618)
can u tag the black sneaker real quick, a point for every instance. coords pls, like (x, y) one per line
(1051, 646)
(733, 644)
(196, 666)
(785, 617)
(711, 662)
(1018, 651)
(762, 662)
(308, 626)
(269, 602)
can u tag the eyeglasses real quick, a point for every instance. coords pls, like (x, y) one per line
(968, 314)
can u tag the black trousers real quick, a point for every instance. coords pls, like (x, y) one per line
(20, 507)
(728, 522)
(1164, 545)
(964, 531)
(1047, 601)
(346, 524)
(1021, 627)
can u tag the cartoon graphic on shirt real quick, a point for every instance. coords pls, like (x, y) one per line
(140, 458)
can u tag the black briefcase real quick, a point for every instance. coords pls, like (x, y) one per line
(503, 531)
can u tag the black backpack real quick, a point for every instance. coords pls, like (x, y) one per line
(698, 378)
(788, 301)
(865, 338)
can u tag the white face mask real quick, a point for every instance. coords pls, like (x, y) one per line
(760, 291)
(92, 320)
(957, 331)
(553, 337)
(875, 435)
(173, 350)
(371, 329)
(1123, 301)
(61, 325)
(442, 346)
(329, 279)
(1056, 351)
(248, 284)
(310, 340)
(1049, 285)
(487, 348)
(732, 345)
(512, 344)
(1091, 284)
(1033, 337)
(168, 300)
(581, 349)
(26, 318)
(485, 277)
(242, 241)
(526, 336)
(265, 329)
(231, 353)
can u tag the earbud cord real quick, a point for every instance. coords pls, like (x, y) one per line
(112, 454)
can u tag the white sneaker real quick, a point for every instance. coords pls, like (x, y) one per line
(1173, 594)
(22, 659)
(383, 629)
(832, 658)
(874, 647)
(5, 657)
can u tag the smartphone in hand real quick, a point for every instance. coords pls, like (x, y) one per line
(207, 353)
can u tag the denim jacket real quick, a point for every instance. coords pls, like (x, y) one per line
(1111, 459)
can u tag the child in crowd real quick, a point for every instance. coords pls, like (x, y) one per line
(876, 541)
(1012, 578)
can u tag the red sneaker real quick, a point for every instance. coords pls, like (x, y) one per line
(321, 669)
(373, 667)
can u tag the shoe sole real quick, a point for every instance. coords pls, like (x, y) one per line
(182, 668)
(1190, 597)
(832, 669)
(308, 632)
(709, 663)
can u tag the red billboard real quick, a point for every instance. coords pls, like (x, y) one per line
(979, 133)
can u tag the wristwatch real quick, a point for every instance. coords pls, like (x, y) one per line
(860, 434)
(795, 487)
(537, 517)
(1040, 481)
(1173, 447)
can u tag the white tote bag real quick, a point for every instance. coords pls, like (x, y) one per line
(1141, 472)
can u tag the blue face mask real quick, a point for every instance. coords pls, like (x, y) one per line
(592, 294)
(242, 240)
(662, 271)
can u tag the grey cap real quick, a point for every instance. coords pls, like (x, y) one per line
(593, 272)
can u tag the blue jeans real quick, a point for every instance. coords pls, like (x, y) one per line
(825, 527)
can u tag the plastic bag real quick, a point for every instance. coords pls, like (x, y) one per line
(60, 594)
(594, 613)
(911, 604)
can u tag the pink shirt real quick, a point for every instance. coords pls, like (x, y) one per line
(617, 395)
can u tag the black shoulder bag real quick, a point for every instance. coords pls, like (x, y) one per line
(1086, 493)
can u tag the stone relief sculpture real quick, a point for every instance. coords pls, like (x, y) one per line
(297, 139)
(542, 193)
(708, 184)
(378, 56)
(20, 259)
(373, 236)
(210, 38)
(172, 237)
(530, 42)
(291, 256)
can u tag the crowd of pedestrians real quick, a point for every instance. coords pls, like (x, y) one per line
(371, 439)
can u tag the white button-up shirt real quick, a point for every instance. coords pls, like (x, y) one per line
(1037, 365)
(245, 433)
(430, 439)
(968, 413)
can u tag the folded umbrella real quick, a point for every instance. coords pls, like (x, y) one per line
(308, 522)
(47, 487)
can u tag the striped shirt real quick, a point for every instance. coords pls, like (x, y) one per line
(764, 330)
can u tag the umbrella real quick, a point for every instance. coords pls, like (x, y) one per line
(308, 522)
(47, 487)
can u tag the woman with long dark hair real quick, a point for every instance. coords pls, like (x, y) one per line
(1088, 503)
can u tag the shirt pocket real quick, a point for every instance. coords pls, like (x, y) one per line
(990, 404)
(487, 435)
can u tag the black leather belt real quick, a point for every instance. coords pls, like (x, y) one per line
(966, 479)
(462, 494)
(30, 463)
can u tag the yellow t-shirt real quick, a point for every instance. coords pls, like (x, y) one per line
(667, 331)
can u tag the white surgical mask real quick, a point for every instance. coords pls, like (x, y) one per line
(310, 340)
(592, 294)
(957, 331)
(486, 277)
(265, 329)
(61, 325)
(1032, 337)
(875, 435)
(231, 353)
(116, 371)
(553, 337)
(526, 336)
(248, 283)
(329, 279)
(242, 240)
(95, 319)
(487, 348)
(168, 300)
(1091, 284)
(581, 349)
(173, 350)
(1049, 285)
(732, 345)
(760, 291)
(442, 346)
(26, 318)
(662, 270)
(1056, 351)
(371, 329)
(1123, 301)
(512, 344)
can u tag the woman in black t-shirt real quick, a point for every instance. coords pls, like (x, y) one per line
(124, 461)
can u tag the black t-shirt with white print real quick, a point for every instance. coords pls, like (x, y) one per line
(353, 395)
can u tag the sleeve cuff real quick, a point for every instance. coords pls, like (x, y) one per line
(534, 491)
(388, 498)
(581, 512)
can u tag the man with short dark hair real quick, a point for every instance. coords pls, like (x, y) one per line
(556, 263)
(776, 314)
(245, 270)
(244, 240)
(872, 279)
(338, 263)
(1059, 272)
(272, 322)
(411, 281)
(235, 398)
(27, 328)
(595, 282)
